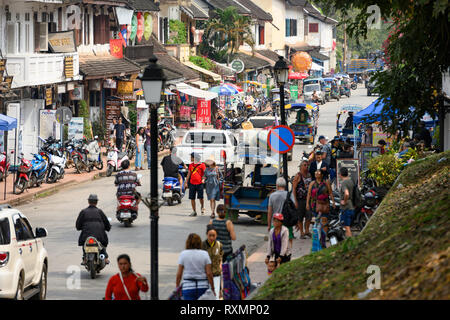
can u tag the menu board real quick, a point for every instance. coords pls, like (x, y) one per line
(367, 153)
(353, 169)
(112, 112)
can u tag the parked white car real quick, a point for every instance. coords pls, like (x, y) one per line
(23, 258)
(209, 144)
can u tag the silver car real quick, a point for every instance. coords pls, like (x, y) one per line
(309, 89)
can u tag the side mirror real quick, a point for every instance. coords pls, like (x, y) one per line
(41, 233)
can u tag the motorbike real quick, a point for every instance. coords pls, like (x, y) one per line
(335, 94)
(4, 165)
(56, 167)
(24, 174)
(172, 190)
(127, 210)
(233, 124)
(354, 85)
(114, 160)
(94, 157)
(345, 91)
(95, 260)
(167, 134)
(130, 147)
(79, 156)
(39, 168)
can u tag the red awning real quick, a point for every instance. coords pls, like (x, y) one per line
(298, 75)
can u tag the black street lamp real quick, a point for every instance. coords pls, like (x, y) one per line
(281, 71)
(153, 81)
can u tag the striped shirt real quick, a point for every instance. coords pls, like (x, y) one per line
(223, 235)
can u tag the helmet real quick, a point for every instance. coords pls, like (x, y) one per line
(369, 198)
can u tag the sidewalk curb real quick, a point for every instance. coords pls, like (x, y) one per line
(27, 198)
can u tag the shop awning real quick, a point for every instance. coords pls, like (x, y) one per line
(213, 75)
(202, 85)
(194, 92)
(7, 123)
(316, 67)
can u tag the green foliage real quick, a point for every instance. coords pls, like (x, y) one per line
(132, 115)
(203, 62)
(385, 169)
(84, 113)
(99, 130)
(179, 29)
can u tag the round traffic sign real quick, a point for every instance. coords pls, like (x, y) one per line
(63, 115)
(281, 139)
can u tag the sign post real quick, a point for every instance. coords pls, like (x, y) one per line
(63, 116)
(281, 139)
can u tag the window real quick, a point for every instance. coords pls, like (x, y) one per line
(260, 35)
(291, 27)
(313, 27)
(22, 229)
(5, 237)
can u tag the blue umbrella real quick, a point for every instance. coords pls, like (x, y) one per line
(224, 90)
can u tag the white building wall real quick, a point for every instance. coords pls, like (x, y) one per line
(295, 13)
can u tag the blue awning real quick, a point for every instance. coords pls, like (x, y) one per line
(7, 123)
(373, 111)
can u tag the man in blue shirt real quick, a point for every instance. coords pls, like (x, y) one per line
(119, 133)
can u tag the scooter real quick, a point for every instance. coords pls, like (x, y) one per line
(4, 165)
(335, 93)
(94, 156)
(127, 210)
(79, 156)
(172, 191)
(24, 174)
(114, 160)
(94, 259)
(38, 171)
(56, 168)
(353, 85)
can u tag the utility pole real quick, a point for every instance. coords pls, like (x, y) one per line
(344, 63)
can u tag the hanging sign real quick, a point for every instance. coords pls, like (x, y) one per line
(68, 67)
(62, 42)
(125, 87)
(48, 96)
(237, 65)
(203, 111)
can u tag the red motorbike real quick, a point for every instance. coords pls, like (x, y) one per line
(23, 177)
(127, 209)
(4, 165)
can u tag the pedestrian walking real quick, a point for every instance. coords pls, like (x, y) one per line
(139, 148)
(127, 284)
(215, 251)
(211, 180)
(276, 202)
(119, 133)
(300, 185)
(194, 181)
(319, 164)
(346, 196)
(318, 199)
(147, 144)
(278, 246)
(225, 231)
(194, 269)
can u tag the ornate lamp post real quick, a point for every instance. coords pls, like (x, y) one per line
(281, 71)
(153, 81)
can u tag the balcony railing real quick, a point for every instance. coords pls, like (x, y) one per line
(40, 69)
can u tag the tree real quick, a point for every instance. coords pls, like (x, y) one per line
(224, 34)
(416, 51)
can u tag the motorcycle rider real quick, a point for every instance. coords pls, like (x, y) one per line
(170, 165)
(92, 222)
(127, 181)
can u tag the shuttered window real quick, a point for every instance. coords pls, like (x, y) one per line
(313, 27)
(291, 27)
(261, 35)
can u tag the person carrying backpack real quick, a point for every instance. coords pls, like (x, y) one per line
(346, 194)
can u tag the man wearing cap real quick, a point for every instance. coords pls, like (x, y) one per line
(92, 222)
(194, 181)
(326, 150)
(278, 245)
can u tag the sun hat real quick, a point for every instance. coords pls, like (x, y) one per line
(278, 216)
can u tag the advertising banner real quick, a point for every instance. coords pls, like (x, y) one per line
(48, 126)
(76, 126)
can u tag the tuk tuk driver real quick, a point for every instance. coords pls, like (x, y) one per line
(302, 116)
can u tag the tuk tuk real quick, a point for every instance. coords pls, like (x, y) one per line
(253, 180)
(347, 131)
(306, 121)
(327, 86)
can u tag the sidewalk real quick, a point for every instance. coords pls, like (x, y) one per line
(70, 178)
(256, 262)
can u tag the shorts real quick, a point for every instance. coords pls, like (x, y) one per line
(195, 189)
(303, 214)
(347, 217)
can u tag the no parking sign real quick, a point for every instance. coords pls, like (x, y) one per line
(281, 139)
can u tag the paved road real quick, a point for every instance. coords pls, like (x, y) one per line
(58, 214)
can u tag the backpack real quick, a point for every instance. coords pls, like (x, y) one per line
(290, 217)
(356, 197)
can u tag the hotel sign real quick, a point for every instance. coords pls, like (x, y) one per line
(62, 42)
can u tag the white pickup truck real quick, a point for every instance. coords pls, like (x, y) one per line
(209, 144)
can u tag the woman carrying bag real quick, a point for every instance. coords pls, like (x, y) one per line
(211, 179)
(126, 284)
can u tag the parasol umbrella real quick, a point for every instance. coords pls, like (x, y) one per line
(298, 75)
(224, 90)
(232, 85)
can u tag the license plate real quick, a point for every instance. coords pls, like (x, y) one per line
(91, 250)
(167, 194)
(125, 215)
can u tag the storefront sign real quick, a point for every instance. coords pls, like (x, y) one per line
(61, 88)
(353, 169)
(76, 126)
(48, 126)
(203, 111)
(125, 87)
(237, 65)
(110, 84)
(367, 153)
(48, 96)
(68, 67)
(116, 47)
(62, 42)
(77, 93)
(294, 92)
